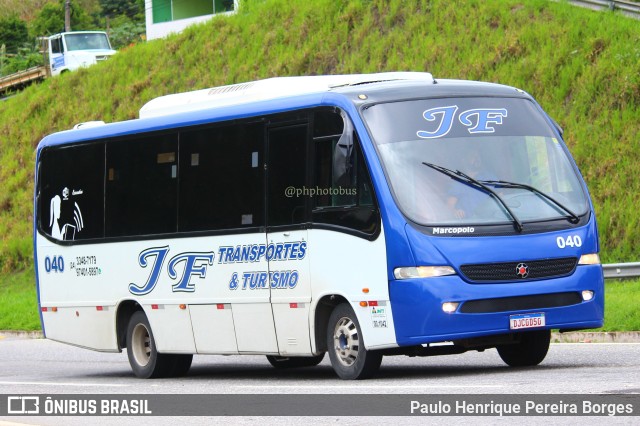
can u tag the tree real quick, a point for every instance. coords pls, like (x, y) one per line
(13, 33)
(130, 8)
(125, 20)
(50, 20)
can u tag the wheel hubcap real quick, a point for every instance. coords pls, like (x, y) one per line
(141, 344)
(346, 342)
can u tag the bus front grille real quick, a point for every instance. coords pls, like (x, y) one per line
(517, 271)
(519, 303)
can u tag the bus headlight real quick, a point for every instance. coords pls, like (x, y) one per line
(587, 295)
(589, 259)
(423, 272)
(450, 307)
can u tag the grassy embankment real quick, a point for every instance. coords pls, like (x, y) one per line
(581, 65)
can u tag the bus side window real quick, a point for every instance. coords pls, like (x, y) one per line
(222, 178)
(71, 192)
(142, 186)
(345, 194)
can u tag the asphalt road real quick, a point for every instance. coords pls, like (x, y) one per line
(46, 367)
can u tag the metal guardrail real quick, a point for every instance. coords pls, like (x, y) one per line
(621, 270)
(629, 9)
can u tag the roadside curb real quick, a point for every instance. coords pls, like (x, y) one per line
(21, 334)
(596, 337)
(570, 337)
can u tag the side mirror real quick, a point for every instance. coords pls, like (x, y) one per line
(342, 155)
(557, 126)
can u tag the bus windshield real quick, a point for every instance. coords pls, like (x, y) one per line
(87, 41)
(475, 161)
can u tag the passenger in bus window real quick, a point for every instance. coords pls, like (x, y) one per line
(464, 200)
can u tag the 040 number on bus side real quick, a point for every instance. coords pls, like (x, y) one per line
(570, 241)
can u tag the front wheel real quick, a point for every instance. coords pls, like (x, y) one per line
(531, 349)
(345, 343)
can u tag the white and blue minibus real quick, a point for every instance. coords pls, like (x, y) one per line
(356, 215)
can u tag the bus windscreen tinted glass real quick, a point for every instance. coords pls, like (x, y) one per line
(487, 139)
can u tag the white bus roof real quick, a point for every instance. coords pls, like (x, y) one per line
(261, 90)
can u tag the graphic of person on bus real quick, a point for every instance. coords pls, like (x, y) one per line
(66, 217)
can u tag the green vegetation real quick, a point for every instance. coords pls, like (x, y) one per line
(22, 22)
(18, 302)
(50, 19)
(24, 9)
(621, 312)
(581, 65)
(12, 32)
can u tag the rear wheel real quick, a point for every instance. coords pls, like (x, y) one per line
(144, 358)
(282, 362)
(531, 349)
(345, 343)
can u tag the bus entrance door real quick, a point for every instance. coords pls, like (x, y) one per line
(287, 237)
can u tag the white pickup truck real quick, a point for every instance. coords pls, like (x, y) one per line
(72, 50)
(62, 52)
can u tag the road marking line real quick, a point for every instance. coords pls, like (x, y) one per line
(373, 386)
(62, 384)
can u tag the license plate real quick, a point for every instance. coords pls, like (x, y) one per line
(517, 322)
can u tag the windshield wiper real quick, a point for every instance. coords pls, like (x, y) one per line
(480, 186)
(573, 218)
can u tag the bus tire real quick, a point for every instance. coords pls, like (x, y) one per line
(345, 344)
(283, 362)
(530, 351)
(145, 360)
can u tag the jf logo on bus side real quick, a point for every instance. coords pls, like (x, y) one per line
(186, 265)
(197, 263)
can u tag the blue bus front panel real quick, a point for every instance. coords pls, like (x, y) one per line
(419, 317)
(485, 305)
